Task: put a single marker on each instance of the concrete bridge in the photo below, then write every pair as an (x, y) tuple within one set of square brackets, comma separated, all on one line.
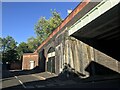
[(88, 40)]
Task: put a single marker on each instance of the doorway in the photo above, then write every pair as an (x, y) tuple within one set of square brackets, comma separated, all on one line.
[(31, 64), (51, 60)]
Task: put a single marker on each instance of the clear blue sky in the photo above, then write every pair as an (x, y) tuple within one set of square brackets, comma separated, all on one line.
[(19, 18)]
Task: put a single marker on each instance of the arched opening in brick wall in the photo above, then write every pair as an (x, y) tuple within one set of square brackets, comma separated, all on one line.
[(51, 60)]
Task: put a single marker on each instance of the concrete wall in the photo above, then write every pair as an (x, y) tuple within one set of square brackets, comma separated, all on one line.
[(107, 61), (77, 54), (81, 56)]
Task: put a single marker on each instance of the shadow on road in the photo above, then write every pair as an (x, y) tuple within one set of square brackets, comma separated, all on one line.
[(11, 73), (102, 77)]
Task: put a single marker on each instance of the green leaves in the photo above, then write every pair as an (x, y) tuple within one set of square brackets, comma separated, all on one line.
[(8, 49), (33, 43), (8, 43), (45, 27), (10, 56), (55, 20)]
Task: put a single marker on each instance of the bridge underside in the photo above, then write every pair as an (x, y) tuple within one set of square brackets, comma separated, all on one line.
[(103, 33)]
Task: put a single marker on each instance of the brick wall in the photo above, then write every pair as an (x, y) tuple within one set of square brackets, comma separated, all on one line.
[(15, 65), (27, 58)]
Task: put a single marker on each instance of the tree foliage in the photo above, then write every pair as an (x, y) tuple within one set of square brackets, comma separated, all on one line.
[(8, 49), (45, 27), (33, 43), (10, 56), (7, 43)]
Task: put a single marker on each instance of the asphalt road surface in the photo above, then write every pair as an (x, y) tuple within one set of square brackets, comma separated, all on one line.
[(13, 81), (36, 80)]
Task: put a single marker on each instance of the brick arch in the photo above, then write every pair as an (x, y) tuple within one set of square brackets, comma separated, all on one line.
[(51, 49), (51, 60), (52, 44)]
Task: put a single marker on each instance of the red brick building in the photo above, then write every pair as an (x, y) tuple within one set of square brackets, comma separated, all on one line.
[(30, 61)]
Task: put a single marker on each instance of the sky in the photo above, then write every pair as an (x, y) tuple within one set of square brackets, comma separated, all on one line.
[(19, 18)]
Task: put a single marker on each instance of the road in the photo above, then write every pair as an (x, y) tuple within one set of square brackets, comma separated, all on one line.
[(19, 79), (13, 79)]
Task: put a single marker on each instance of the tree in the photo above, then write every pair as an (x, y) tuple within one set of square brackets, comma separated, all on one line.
[(45, 27), (7, 44), (3, 43), (23, 48), (33, 43), (10, 56), (55, 20), (8, 49)]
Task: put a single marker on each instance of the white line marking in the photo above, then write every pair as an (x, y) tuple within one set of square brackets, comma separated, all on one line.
[(16, 77), (20, 82)]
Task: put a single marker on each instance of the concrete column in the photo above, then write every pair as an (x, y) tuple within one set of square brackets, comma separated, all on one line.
[(84, 57), (71, 56), (78, 58), (66, 52)]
